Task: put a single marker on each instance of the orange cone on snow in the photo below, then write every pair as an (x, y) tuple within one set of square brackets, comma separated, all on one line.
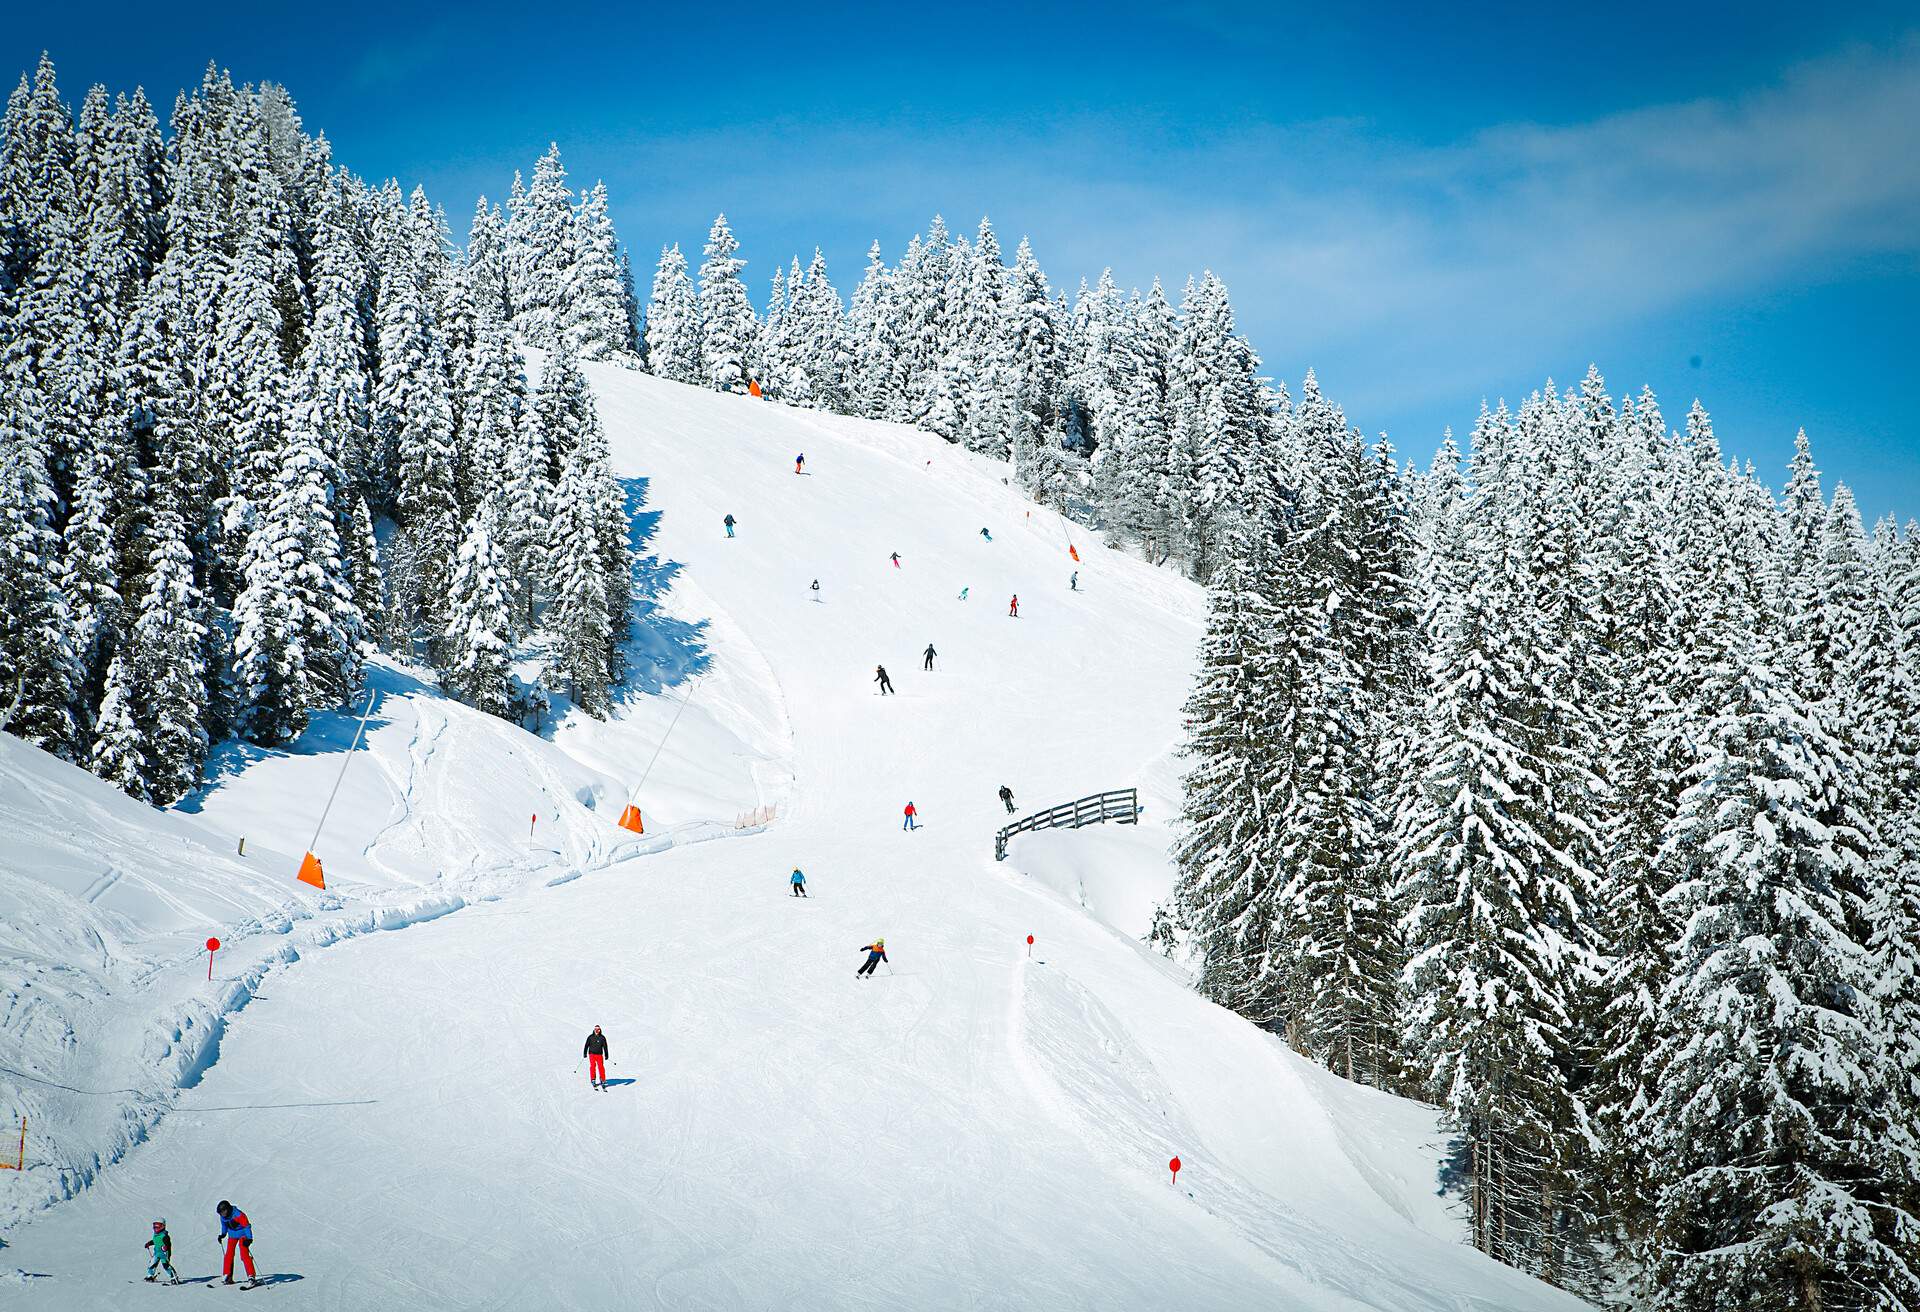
[(630, 819), (753, 387), (310, 872)]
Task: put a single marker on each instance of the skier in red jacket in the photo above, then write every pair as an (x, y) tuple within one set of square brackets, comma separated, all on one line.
[(910, 813), (1014, 609)]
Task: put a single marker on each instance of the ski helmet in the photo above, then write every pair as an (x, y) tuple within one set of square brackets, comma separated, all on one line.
[(159, 1225), (225, 1207)]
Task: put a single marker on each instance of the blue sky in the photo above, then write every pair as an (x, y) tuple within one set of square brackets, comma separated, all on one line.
[(1426, 208)]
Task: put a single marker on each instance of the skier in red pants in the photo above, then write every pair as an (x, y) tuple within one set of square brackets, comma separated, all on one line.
[(238, 1232), (1014, 609), (596, 1054)]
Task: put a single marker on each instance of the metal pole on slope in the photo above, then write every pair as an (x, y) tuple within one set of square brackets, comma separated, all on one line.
[(632, 811), (310, 871)]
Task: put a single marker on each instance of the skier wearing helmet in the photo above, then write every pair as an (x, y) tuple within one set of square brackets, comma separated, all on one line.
[(237, 1231)]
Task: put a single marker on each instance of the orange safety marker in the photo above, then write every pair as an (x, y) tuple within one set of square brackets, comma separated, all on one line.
[(630, 819), (753, 387), (311, 873)]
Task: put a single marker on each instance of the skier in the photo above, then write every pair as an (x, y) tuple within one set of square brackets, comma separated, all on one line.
[(964, 592), (596, 1053), (910, 813), (988, 536), (238, 1233), (880, 677), (1073, 584), (896, 560), (162, 1246), (816, 589), (929, 654), (728, 521), (1006, 795), (1014, 609), (799, 882), (876, 953), (799, 463)]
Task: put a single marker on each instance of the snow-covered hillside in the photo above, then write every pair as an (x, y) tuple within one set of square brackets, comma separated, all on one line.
[(401, 1116)]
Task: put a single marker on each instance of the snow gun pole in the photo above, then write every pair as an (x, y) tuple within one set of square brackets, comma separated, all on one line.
[(632, 811), (315, 877)]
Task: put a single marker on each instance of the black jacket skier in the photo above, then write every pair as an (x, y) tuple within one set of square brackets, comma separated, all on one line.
[(930, 655), (1006, 795), (880, 677)]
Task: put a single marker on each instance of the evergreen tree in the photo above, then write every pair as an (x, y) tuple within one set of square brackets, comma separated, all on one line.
[(673, 321), (726, 316), (479, 634)]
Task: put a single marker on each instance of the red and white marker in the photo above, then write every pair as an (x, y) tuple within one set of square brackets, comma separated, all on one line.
[(1174, 1166), (1029, 945), (213, 946)]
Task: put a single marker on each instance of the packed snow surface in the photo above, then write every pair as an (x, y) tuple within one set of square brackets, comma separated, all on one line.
[(401, 1114)]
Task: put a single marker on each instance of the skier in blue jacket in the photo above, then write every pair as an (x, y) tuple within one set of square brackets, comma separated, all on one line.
[(799, 882)]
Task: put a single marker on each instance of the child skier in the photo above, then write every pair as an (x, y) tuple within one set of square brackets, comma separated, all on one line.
[(800, 463), (162, 1246), (1014, 609), (799, 883), (596, 1053), (910, 813), (237, 1231), (728, 521), (929, 655), (896, 560), (876, 953), (880, 677)]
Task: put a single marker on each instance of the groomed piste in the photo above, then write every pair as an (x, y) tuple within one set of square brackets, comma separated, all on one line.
[(402, 1115)]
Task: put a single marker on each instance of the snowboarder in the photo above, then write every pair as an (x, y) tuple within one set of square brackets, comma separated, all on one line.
[(929, 654), (876, 953), (988, 536), (799, 882), (1073, 584), (964, 592), (728, 521), (162, 1246), (880, 677), (596, 1053), (896, 560), (800, 463), (816, 589), (1014, 609), (1006, 795), (910, 813), (237, 1231)]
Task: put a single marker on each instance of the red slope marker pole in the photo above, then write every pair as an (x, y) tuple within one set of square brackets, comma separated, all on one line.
[(1174, 1166), (1029, 945), (213, 946)]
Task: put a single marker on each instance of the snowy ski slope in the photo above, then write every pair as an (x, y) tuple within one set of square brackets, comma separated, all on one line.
[(400, 1114)]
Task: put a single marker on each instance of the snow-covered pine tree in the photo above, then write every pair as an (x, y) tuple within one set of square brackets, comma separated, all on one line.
[(1781, 1154), (727, 325), (577, 634), (1037, 368), (479, 635), (769, 362), (870, 330), (541, 252), (593, 310), (819, 339), (673, 321), (38, 644)]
